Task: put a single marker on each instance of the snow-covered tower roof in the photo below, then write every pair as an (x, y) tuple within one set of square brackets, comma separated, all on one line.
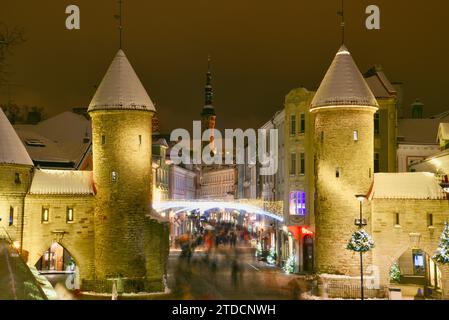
[(12, 150), (343, 85), (121, 88)]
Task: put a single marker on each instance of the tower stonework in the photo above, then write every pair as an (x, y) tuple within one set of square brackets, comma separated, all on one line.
[(121, 113), (344, 110)]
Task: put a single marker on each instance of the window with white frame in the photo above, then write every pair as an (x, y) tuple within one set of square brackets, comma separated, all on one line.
[(297, 203)]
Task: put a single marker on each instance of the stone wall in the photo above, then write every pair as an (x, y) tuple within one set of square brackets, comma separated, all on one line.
[(337, 207), (121, 145), (12, 197), (413, 232), (77, 237)]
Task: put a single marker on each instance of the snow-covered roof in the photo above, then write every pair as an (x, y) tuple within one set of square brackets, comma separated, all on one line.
[(438, 164), (59, 182), (12, 150), (121, 88), (60, 141), (379, 84), (409, 185), (443, 131), (343, 85)]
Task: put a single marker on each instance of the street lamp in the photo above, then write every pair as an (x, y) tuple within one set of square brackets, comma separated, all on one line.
[(361, 223)]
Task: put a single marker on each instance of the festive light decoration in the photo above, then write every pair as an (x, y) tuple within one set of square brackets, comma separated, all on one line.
[(259, 251), (360, 242), (442, 254), (290, 265), (395, 273)]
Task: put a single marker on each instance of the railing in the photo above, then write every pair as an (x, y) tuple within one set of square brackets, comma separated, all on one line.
[(351, 291)]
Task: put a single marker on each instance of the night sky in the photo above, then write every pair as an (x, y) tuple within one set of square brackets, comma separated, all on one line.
[(260, 51)]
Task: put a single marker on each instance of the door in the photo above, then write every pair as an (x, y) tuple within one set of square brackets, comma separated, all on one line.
[(308, 254)]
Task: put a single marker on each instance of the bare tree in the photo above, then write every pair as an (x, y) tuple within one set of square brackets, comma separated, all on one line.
[(9, 38)]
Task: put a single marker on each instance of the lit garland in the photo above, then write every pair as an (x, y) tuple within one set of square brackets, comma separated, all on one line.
[(259, 251), (442, 254), (360, 242)]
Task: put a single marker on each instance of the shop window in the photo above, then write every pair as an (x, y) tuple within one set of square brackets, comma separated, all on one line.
[(419, 268), (11, 216), (45, 215), (297, 203), (70, 215)]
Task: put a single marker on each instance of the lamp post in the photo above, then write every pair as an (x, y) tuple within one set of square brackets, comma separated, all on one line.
[(361, 223)]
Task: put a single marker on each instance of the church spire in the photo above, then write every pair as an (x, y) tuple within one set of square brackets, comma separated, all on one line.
[(208, 108)]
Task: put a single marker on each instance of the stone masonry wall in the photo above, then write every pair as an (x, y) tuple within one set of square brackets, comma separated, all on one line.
[(391, 240), (337, 206)]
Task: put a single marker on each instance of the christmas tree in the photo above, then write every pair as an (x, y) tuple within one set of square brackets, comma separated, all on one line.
[(271, 259), (395, 273), (290, 265), (360, 242), (442, 254)]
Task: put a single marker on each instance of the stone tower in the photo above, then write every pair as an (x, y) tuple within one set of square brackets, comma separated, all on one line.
[(208, 116), (15, 175), (344, 108), (121, 113)]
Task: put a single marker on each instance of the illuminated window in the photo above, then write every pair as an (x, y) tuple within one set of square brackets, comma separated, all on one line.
[(297, 203), (418, 263), (356, 135), (114, 176), (70, 215), (11, 216), (45, 215)]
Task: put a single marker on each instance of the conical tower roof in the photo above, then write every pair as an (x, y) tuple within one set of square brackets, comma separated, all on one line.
[(121, 88), (343, 85), (12, 150)]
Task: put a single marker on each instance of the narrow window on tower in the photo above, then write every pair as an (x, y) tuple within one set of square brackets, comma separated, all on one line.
[(397, 221), (376, 123), (17, 179), (430, 220), (303, 123), (11, 216), (293, 125), (45, 218), (70, 215), (303, 163), (356, 135), (337, 172), (114, 176), (103, 139), (322, 136), (140, 140), (293, 164)]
